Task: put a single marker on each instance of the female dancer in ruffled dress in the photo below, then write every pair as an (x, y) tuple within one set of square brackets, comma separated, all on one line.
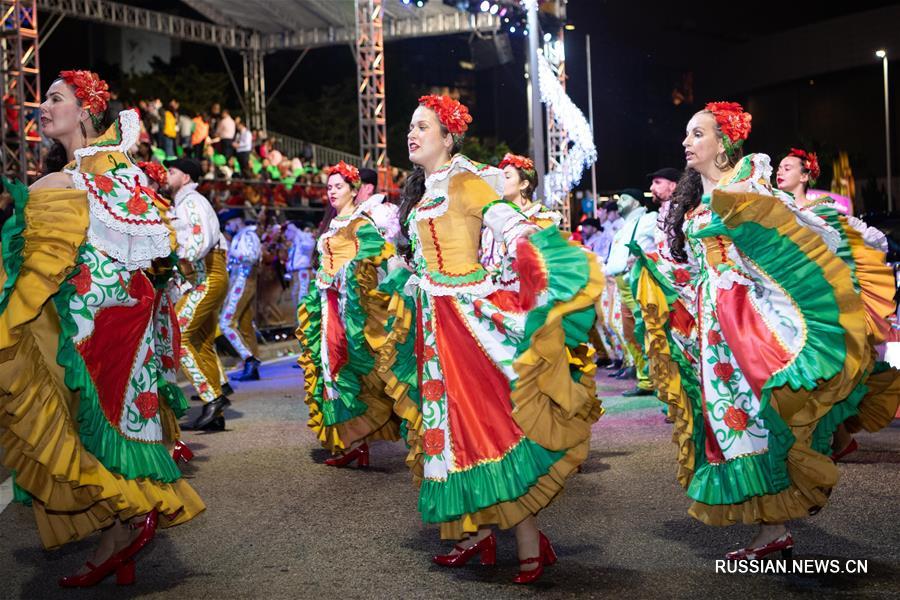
[(781, 338), (88, 341), (873, 405), (520, 181), (498, 394), (342, 326)]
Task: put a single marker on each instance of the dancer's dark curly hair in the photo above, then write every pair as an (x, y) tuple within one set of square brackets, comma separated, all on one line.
[(687, 195)]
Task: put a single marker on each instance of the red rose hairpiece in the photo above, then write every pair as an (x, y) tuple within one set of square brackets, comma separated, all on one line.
[(155, 171), (519, 162), (452, 114), (810, 161), (90, 89), (734, 123), (348, 172)]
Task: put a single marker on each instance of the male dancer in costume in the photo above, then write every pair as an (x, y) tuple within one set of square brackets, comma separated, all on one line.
[(202, 253), (639, 227), (236, 320)]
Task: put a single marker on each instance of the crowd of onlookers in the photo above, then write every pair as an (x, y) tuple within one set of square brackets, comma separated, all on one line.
[(240, 166), (222, 139)]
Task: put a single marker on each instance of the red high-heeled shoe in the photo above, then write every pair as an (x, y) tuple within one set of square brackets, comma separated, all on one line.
[(487, 548), (852, 447), (546, 558), (148, 532), (120, 563), (124, 573), (359, 454), (784, 544), (182, 452)]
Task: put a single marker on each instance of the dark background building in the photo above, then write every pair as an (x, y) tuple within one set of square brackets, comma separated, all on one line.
[(807, 72)]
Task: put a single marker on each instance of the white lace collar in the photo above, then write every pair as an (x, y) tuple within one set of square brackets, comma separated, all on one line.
[(434, 201), (459, 163), (124, 223)]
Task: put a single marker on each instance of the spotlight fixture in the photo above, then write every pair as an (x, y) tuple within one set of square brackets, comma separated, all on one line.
[(485, 5)]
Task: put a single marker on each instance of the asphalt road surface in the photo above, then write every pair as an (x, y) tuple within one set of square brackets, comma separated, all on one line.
[(279, 524)]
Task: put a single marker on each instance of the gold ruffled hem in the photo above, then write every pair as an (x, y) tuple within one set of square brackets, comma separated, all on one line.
[(551, 407), (876, 282), (74, 494), (879, 406), (812, 477), (378, 423), (666, 375), (506, 515), (404, 406)]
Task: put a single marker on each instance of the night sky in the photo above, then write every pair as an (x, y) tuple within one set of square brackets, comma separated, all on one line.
[(642, 51)]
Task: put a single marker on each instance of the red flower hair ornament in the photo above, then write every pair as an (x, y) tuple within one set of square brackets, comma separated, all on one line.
[(519, 162), (155, 171), (92, 91), (810, 162), (348, 172), (734, 123), (453, 114)]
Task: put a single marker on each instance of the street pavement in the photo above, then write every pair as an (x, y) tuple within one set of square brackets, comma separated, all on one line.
[(279, 524)]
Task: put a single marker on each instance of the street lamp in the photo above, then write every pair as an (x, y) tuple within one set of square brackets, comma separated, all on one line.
[(882, 54)]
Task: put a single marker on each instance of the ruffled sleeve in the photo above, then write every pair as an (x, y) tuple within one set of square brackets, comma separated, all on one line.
[(37, 263)]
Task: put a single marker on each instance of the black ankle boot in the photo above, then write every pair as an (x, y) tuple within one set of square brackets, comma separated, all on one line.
[(227, 390), (250, 372), (217, 424), (211, 411)]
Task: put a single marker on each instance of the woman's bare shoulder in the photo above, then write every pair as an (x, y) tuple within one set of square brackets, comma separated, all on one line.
[(53, 181)]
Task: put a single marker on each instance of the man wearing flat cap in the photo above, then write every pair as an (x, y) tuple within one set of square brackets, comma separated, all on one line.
[(639, 227), (662, 185), (201, 250)]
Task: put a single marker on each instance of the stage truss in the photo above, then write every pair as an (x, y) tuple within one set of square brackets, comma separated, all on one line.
[(20, 80), (557, 136), (370, 79)]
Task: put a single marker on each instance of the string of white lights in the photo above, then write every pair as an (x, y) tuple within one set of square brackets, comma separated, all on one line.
[(582, 152)]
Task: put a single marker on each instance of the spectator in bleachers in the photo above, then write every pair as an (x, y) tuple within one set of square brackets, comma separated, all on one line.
[(199, 135), (243, 146), (215, 113), (185, 129), (170, 128), (225, 131)]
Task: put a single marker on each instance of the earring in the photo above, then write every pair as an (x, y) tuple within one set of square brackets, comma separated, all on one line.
[(724, 164)]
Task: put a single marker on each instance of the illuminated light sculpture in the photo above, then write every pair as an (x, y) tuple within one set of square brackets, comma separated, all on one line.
[(581, 152)]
